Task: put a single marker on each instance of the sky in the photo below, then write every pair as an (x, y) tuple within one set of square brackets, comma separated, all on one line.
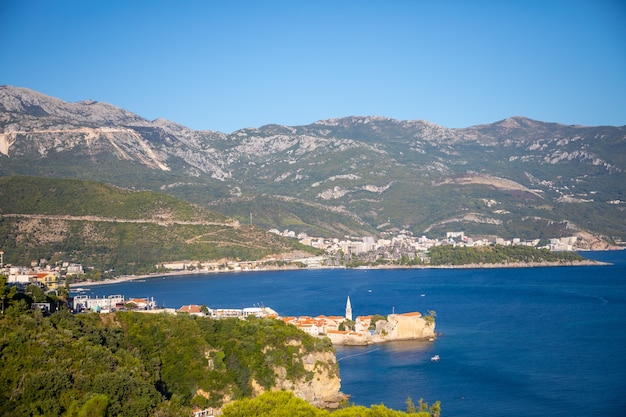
[(228, 65)]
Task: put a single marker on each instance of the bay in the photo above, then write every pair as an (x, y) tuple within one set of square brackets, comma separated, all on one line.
[(514, 342)]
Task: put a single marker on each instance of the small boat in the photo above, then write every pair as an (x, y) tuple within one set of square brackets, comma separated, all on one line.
[(434, 358)]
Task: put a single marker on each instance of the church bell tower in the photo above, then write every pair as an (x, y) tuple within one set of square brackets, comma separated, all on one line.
[(348, 309)]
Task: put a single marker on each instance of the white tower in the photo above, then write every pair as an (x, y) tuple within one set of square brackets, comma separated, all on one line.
[(348, 309)]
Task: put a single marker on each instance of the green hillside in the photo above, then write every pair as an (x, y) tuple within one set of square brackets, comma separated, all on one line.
[(133, 364), (109, 227), (139, 364), (270, 212), (38, 195)]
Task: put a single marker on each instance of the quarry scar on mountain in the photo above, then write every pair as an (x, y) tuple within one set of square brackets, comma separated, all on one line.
[(496, 182), (358, 175)]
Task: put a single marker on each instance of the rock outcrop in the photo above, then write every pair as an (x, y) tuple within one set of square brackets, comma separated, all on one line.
[(320, 385), (408, 326)]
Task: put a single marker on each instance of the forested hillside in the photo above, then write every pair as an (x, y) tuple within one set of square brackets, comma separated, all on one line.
[(499, 254), (135, 364), (106, 227)]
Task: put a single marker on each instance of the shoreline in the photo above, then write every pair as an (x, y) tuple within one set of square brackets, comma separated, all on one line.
[(129, 278)]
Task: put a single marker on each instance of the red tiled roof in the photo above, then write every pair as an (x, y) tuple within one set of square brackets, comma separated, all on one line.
[(192, 308), (411, 314)]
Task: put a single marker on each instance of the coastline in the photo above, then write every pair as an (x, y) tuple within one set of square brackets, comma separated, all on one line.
[(128, 278)]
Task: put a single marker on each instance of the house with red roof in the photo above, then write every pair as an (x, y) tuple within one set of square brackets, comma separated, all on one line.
[(193, 309)]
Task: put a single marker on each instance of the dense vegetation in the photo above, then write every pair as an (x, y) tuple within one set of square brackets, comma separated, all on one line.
[(285, 404), (314, 219), (126, 230), (497, 254), (134, 364), (38, 195)]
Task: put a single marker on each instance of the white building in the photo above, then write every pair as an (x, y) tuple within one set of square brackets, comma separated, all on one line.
[(310, 328), (75, 269), (84, 302)]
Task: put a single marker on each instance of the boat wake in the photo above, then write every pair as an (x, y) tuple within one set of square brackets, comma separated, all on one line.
[(357, 354)]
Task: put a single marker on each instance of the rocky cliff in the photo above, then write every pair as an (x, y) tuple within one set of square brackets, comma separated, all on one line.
[(408, 326), (320, 386)]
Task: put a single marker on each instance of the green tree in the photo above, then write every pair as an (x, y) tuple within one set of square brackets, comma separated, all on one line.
[(36, 294), (272, 404), (410, 406), (4, 290), (347, 325), (430, 317), (375, 319), (96, 406), (64, 297), (435, 409)]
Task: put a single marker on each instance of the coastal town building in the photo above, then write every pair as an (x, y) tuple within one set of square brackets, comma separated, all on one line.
[(48, 279), (140, 303), (193, 309), (404, 244), (29, 275), (221, 313), (40, 273), (395, 327), (111, 303), (97, 304), (367, 248), (22, 275), (343, 330)]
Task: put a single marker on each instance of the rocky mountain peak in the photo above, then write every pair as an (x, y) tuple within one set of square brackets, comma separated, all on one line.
[(388, 173), (26, 102)]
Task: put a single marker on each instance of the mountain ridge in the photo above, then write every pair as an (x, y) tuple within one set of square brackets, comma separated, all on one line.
[(389, 174), (16, 97)]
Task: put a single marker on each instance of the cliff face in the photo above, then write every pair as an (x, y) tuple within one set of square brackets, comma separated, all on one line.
[(320, 386), (405, 327)]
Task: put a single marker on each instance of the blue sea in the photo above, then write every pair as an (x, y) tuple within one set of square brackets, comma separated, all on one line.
[(513, 342)]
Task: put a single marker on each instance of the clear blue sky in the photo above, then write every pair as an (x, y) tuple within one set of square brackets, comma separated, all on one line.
[(226, 65)]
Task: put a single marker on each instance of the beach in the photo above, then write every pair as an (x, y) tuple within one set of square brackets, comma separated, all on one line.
[(126, 278)]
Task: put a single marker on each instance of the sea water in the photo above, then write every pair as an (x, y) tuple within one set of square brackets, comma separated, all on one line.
[(513, 342)]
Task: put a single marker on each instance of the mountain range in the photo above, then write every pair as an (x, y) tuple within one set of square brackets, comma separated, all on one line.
[(356, 176)]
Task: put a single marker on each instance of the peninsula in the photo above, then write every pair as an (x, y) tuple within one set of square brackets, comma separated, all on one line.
[(366, 330), (341, 330)]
